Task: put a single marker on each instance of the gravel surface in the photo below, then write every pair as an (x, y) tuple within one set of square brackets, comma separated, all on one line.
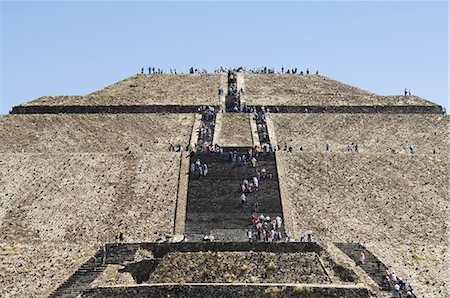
[(397, 204), (121, 133), (159, 89), (284, 89), (374, 133)]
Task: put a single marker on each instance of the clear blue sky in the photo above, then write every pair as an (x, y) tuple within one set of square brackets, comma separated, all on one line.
[(74, 48)]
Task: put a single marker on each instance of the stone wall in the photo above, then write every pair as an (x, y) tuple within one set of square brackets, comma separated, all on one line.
[(229, 291), (103, 109), (315, 108)]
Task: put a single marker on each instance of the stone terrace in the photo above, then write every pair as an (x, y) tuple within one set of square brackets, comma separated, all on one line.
[(374, 133), (235, 131), (249, 267), (53, 202), (94, 133), (155, 89), (397, 204), (314, 90)]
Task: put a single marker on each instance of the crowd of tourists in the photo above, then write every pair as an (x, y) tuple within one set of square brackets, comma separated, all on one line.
[(206, 129), (266, 229), (268, 70), (400, 287), (153, 70), (178, 148), (391, 282), (258, 70)]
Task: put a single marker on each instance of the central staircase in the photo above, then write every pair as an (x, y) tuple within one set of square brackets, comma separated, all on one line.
[(213, 204)]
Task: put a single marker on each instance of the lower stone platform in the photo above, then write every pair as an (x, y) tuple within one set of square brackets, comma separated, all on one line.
[(229, 290), (227, 269)]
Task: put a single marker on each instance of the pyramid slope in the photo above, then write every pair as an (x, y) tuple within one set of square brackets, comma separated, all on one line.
[(396, 204), (202, 89), (57, 209), (155, 89), (94, 132), (374, 133), (315, 90)]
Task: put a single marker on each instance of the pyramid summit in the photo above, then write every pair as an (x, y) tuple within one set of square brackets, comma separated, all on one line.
[(285, 90), (232, 183)]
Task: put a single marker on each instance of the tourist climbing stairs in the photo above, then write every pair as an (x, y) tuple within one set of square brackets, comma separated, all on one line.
[(213, 204), (232, 102), (208, 119), (372, 265), (261, 125)]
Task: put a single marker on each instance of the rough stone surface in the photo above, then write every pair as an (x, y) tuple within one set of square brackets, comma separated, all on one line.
[(313, 90), (250, 267), (36, 269), (396, 204), (112, 276), (160, 89), (94, 133), (226, 291), (78, 202), (235, 131), (373, 133)]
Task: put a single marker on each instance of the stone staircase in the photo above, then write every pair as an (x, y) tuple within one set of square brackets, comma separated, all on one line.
[(232, 100), (213, 203), (82, 278), (261, 124), (372, 266)]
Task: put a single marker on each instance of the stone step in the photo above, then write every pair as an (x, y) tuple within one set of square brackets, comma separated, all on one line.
[(214, 201), (372, 266)]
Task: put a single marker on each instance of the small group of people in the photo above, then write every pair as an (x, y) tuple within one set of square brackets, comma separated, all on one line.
[(152, 70), (208, 238), (268, 70), (198, 168), (407, 92), (193, 70), (234, 93), (243, 159), (249, 187), (266, 229), (400, 287), (178, 148), (206, 128)]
